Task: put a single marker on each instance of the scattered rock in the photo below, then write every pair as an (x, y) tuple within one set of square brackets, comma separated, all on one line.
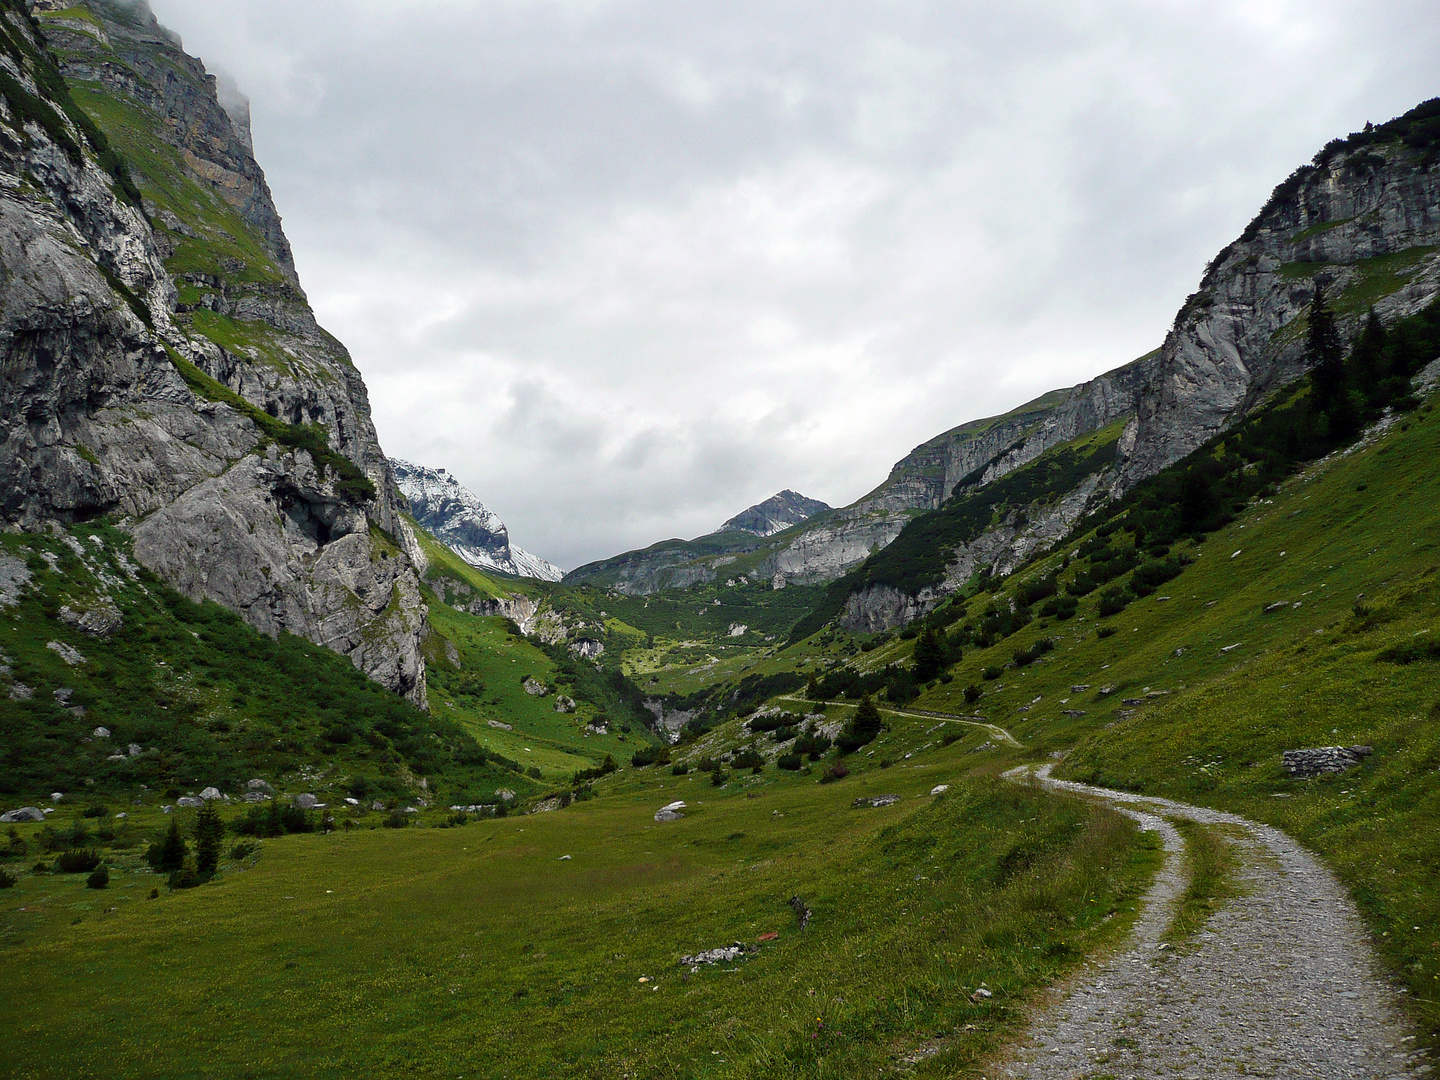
[(1073, 713), (501, 725), (587, 648), (352, 802), (68, 653), (724, 955), (260, 786), (1277, 605), (535, 688), (595, 728), (802, 911), (1108, 689), (190, 801), (100, 620), (134, 749), (1080, 688), (101, 733), (564, 704), (671, 812), (1230, 648), (255, 796), (563, 858), (1306, 764), (377, 805), (211, 793), (939, 789), (117, 757), (121, 816), (867, 801), (738, 629), (505, 794), (307, 801), (25, 813), (546, 806), (1132, 701), (57, 796), (20, 692), (982, 993)]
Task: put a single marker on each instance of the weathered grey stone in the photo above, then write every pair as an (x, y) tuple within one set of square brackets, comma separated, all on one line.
[(25, 813), (68, 653), (190, 801), (100, 619), (211, 793), (259, 785), (1307, 764), (306, 801), (255, 797), (865, 802), (101, 733), (535, 688), (564, 704), (95, 418)]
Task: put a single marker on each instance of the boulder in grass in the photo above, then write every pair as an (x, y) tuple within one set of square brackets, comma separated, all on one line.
[(25, 813), (1308, 764), (190, 801), (306, 801), (671, 812), (260, 786), (211, 793)]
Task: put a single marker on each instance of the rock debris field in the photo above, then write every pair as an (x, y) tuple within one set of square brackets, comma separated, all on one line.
[(1279, 983)]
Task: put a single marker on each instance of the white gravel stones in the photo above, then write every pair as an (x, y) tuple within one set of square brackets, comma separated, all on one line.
[(1279, 983)]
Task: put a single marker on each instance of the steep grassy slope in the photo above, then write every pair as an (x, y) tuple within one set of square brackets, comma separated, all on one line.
[(90, 640), (1304, 622)]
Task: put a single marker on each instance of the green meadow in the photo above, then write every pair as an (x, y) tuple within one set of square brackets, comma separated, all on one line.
[(550, 944)]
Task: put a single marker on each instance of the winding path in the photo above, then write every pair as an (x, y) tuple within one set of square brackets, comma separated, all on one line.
[(920, 714), (1280, 983)]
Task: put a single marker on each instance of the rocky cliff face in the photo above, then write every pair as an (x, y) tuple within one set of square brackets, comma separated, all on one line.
[(161, 365), (776, 514), (1362, 222), (455, 517)]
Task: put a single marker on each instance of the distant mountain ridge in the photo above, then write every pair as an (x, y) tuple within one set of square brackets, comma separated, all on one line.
[(776, 514), (455, 516)]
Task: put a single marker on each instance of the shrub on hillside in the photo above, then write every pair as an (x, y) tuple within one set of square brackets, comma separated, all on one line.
[(1104, 631), (972, 694), (790, 762), (1113, 601), (1026, 657), (98, 879), (861, 729), (77, 861), (97, 810), (991, 672), (7, 880), (834, 772)]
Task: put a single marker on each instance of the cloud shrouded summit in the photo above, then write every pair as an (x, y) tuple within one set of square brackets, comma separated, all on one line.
[(624, 268)]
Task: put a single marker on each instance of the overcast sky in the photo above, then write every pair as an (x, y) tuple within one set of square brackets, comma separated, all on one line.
[(625, 267)]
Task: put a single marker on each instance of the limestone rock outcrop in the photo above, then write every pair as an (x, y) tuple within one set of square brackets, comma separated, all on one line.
[(162, 366)]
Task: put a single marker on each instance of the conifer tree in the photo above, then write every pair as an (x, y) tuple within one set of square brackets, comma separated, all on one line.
[(929, 655), (1323, 354), (209, 832), (862, 728), (172, 848)]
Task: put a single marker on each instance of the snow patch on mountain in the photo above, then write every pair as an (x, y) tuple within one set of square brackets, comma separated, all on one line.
[(458, 519)]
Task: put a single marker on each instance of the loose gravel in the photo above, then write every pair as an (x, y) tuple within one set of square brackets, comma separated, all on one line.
[(1279, 983)]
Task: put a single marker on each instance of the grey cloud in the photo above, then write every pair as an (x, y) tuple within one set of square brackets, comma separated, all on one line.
[(627, 267)]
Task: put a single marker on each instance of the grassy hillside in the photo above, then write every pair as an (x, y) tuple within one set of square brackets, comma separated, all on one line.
[(538, 945), (94, 641), (1306, 621)]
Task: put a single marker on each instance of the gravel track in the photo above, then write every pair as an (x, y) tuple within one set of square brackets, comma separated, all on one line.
[(1279, 983)]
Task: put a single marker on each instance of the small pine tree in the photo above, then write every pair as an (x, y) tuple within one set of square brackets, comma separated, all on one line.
[(172, 849), (1323, 354), (812, 688), (1368, 356), (929, 655), (862, 728), (209, 832)]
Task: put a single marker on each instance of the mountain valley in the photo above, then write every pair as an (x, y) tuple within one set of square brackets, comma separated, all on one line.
[(308, 770)]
